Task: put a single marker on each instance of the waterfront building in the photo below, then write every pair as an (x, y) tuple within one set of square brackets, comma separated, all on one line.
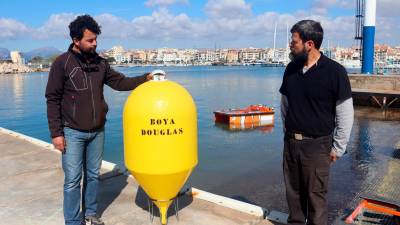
[(137, 56), (187, 56), (151, 56), (117, 53), (205, 55), (232, 56), (16, 57), (249, 55)]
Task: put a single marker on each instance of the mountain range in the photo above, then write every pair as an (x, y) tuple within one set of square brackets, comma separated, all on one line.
[(44, 52), (4, 53)]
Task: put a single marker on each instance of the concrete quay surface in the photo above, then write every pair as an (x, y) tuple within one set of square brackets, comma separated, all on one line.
[(31, 193)]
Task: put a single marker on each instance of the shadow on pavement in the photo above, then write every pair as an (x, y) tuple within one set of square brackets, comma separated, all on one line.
[(110, 188)]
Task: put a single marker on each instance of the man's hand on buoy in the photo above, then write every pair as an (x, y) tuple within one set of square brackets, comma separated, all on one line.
[(149, 76)]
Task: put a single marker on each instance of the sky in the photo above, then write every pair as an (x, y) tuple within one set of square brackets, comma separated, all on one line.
[(145, 24)]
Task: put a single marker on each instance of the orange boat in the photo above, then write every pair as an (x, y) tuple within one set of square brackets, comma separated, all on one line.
[(252, 116), (249, 127)]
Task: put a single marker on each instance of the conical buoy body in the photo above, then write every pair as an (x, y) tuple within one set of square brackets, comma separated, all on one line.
[(160, 139)]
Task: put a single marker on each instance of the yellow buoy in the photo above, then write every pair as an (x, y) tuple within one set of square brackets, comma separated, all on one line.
[(160, 139)]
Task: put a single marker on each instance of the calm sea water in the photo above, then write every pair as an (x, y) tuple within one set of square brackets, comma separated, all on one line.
[(245, 165)]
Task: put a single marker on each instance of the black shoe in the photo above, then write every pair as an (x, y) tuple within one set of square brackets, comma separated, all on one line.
[(93, 220)]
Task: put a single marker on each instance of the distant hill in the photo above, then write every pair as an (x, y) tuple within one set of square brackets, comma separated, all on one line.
[(4, 53), (44, 52)]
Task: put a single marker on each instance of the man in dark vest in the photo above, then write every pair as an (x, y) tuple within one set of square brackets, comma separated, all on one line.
[(317, 113), (76, 112)]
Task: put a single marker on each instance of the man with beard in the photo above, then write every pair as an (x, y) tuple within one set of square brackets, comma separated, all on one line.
[(76, 112), (317, 113)]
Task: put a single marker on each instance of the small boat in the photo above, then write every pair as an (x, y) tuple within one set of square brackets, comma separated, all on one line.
[(273, 64), (245, 128), (252, 116), (217, 63)]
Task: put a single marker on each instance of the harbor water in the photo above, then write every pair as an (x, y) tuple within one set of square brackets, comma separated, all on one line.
[(242, 164)]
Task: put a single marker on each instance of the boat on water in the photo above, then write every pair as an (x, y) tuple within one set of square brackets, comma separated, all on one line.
[(245, 128), (249, 117), (217, 63), (351, 63), (273, 64)]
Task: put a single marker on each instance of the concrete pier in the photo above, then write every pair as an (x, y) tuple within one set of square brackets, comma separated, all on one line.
[(32, 183), (376, 90)]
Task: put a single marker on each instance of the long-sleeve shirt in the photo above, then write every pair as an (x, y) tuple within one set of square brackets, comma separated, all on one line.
[(343, 123)]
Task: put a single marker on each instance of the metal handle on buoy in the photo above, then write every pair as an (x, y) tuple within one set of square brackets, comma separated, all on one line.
[(158, 75)]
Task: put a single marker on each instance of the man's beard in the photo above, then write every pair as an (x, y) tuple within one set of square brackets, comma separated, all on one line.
[(89, 54), (299, 58)]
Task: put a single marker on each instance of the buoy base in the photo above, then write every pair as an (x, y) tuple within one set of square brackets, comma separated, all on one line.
[(163, 208)]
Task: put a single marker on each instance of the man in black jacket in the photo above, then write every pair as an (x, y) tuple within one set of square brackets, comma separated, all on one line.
[(76, 112)]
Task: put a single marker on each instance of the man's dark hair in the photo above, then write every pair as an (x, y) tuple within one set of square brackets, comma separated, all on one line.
[(309, 30), (80, 24)]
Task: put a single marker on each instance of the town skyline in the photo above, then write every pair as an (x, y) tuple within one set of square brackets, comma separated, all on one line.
[(386, 57), (216, 46)]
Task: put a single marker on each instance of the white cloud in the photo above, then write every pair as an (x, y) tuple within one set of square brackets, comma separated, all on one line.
[(385, 8), (227, 21), (388, 8), (321, 7), (163, 26), (227, 9), (334, 3), (55, 27), (113, 27), (12, 29), (160, 25), (342, 28), (164, 3)]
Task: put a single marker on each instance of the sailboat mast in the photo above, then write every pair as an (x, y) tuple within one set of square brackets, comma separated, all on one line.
[(276, 24), (287, 42)]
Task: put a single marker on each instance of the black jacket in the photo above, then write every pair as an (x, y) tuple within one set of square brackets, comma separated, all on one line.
[(74, 92)]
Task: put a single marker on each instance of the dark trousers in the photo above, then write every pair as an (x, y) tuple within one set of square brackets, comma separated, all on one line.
[(306, 166)]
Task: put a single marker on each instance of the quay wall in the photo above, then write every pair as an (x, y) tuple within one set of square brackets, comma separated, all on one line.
[(375, 82), (382, 91)]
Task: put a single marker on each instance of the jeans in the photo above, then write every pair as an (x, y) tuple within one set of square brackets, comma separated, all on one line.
[(83, 152)]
